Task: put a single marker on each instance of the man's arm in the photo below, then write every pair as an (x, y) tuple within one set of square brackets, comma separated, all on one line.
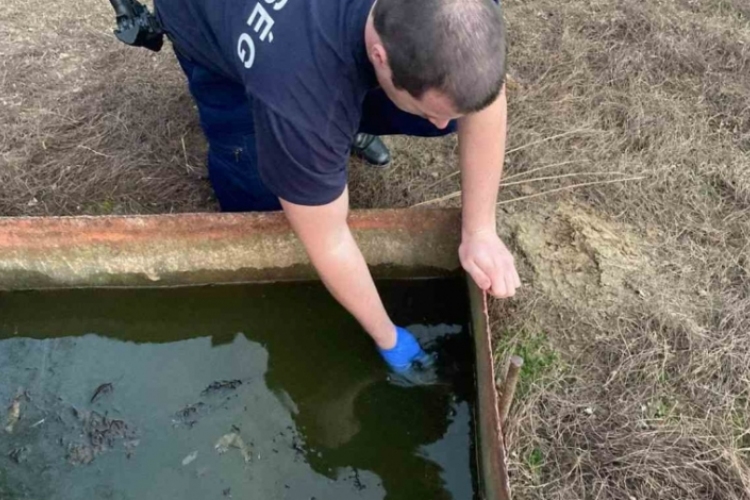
[(481, 138), (334, 253)]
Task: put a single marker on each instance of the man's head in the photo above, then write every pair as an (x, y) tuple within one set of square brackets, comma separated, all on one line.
[(440, 59)]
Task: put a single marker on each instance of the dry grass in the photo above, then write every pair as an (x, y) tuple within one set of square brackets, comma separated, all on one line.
[(641, 289), (634, 322), (88, 125)]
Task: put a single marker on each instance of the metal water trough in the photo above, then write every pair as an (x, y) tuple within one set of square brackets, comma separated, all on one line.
[(194, 249)]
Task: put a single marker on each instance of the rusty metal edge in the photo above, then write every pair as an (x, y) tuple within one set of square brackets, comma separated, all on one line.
[(494, 480), (189, 249)]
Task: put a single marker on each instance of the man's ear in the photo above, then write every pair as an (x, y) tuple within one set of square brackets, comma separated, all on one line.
[(379, 56)]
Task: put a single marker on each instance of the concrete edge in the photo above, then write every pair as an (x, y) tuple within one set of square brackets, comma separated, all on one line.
[(188, 249)]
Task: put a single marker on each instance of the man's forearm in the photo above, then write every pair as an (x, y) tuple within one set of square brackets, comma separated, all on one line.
[(481, 139), (481, 154), (340, 264)]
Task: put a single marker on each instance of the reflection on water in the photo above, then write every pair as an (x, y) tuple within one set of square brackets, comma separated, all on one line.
[(280, 369)]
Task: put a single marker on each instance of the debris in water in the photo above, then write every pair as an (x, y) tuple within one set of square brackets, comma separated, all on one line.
[(222, 445), (80, 454), (358, 482), (233, 440), (220, 385), (19, 455), (189, 410), (102, 433), (227, 492), (130, 446), (286, 400), (190, 458), (103, 389), (188, 415), (14, 414), (298, 446)]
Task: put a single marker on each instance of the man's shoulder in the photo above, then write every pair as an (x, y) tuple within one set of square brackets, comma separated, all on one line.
[(298, 58)]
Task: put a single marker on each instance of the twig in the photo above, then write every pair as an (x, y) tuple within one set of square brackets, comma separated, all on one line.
[(574, 186), (456, 194), (546, 139), (448, 196), (93, 151), (554, 177), (519, 148), (513, 176), (452, 174), (184, 152), (545, 167)]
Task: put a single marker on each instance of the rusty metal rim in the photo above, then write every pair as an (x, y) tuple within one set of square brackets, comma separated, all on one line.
[(495, 482)]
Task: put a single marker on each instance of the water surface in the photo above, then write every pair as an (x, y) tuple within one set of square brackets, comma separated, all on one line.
[(281, 367)]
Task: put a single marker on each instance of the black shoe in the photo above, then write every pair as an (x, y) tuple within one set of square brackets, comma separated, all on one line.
[(371, 149)]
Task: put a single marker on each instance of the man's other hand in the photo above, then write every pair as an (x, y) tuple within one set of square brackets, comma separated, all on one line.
[(487, 260)]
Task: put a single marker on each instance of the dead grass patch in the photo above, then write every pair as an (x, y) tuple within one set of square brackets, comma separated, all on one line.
[(89, 126)]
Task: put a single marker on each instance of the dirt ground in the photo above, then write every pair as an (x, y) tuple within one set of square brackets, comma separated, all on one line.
[(635, 316)]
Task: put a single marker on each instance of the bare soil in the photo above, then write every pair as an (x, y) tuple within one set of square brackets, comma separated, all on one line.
[(635, 316)]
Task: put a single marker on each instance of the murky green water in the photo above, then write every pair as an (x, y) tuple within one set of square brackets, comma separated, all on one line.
[(286, 378)]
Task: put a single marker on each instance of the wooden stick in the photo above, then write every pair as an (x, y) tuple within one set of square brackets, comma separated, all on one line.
[(509, 387)]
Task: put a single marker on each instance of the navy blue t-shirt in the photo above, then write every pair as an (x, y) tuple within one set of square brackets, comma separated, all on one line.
[(305, 66)]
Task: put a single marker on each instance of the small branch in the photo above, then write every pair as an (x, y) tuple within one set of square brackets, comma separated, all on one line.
[(554, 177), (513, 176), (452, 174), (550, 138), (519, 148), (456, 194), (545, 167), (566, 188), (449, 196)]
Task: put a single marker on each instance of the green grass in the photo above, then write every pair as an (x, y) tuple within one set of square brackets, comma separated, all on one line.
[(540, 359)]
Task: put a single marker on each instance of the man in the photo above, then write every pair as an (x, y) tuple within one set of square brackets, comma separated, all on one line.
[(284, 86)]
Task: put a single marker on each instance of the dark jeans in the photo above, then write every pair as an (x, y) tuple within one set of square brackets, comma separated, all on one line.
[(227, 122)]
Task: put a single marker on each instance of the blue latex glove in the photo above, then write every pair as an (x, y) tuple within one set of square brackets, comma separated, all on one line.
[(407, 351)]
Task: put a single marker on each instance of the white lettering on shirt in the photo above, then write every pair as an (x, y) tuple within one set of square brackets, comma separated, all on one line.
[(277, 5), (264, 22), (261, 22), (246, 50)]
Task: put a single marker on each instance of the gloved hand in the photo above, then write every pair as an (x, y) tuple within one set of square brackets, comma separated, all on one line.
[(409, 362)]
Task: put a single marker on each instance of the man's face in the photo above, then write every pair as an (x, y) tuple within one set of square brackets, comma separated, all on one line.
[(433, 105)]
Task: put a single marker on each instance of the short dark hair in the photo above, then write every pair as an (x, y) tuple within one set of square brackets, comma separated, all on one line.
[(454, 46)]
